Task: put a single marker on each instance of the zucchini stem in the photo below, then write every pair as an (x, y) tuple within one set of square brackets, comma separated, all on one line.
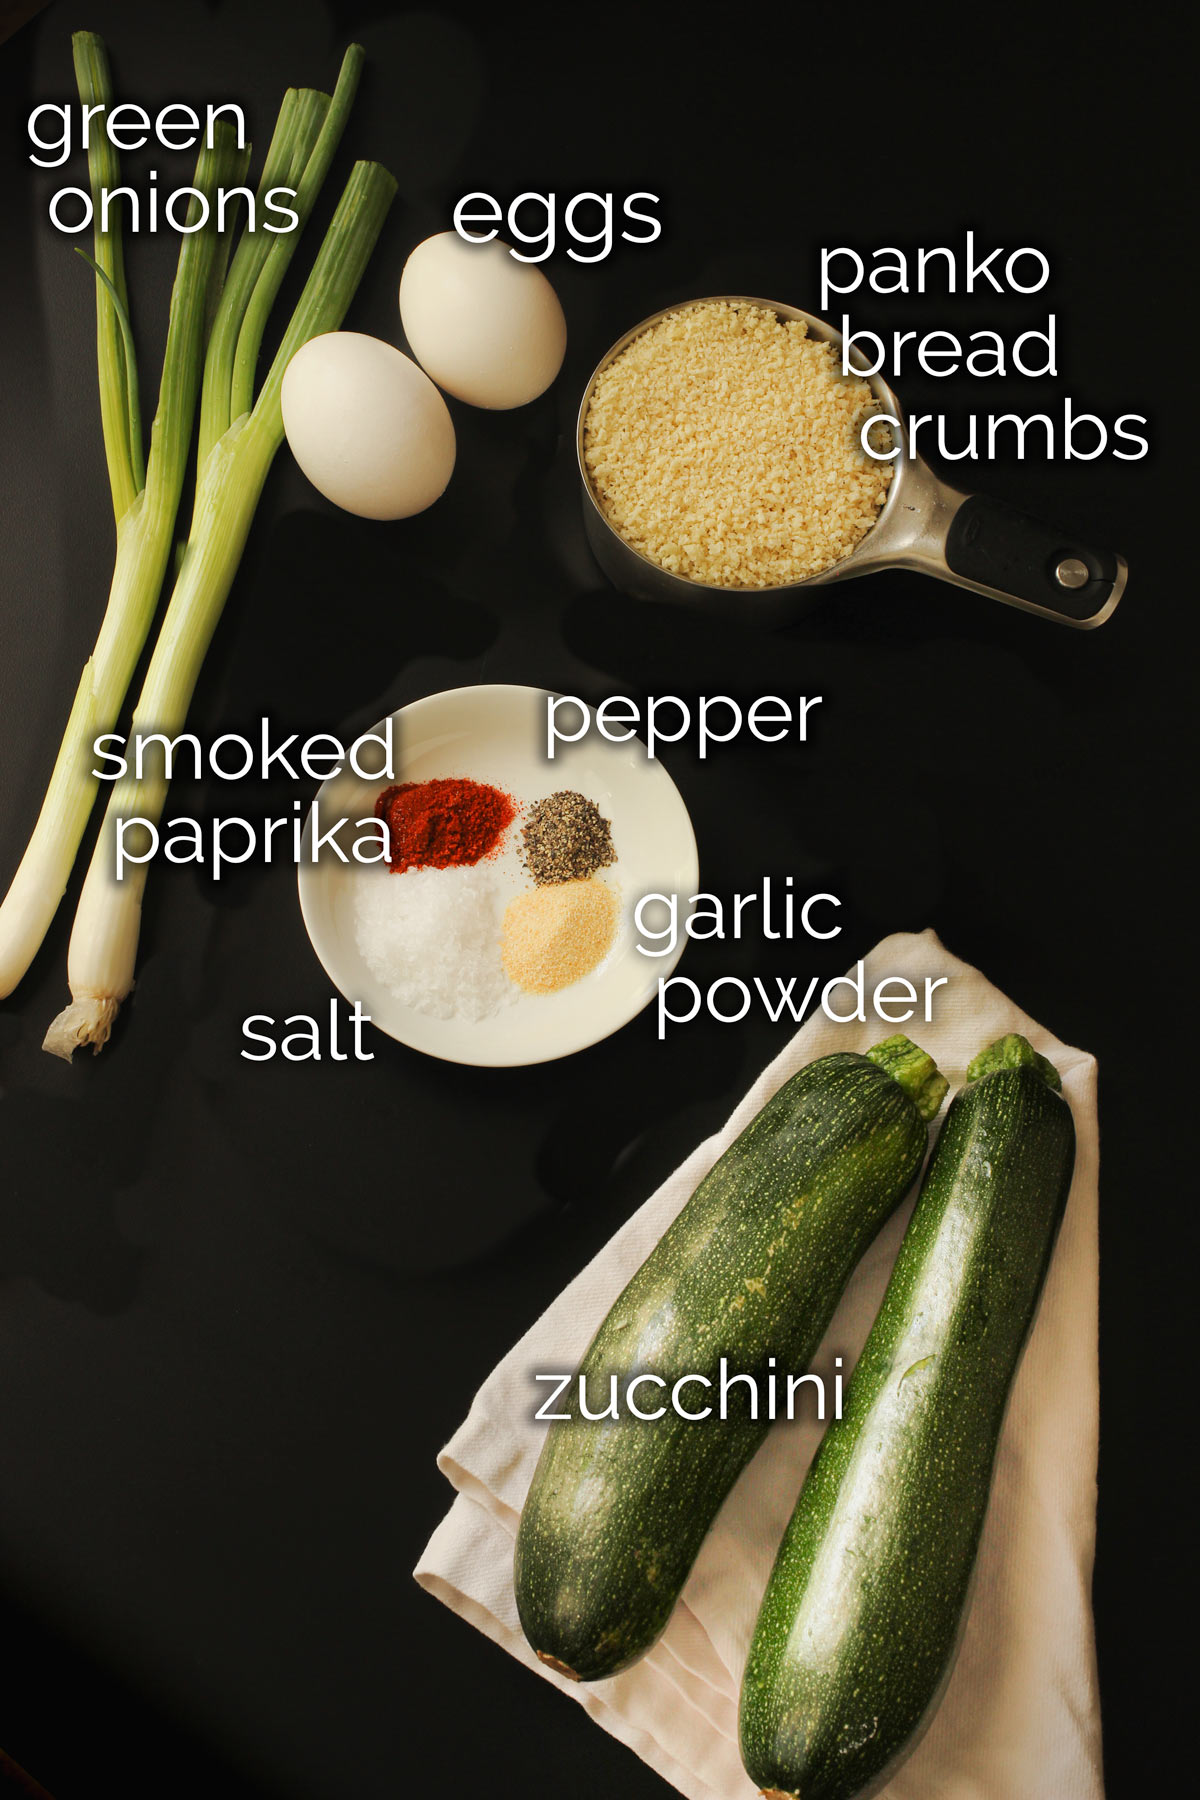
[(1014, 1052), (915, 1070)]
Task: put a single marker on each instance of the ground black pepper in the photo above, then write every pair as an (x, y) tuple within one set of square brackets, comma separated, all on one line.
[(565, 838)]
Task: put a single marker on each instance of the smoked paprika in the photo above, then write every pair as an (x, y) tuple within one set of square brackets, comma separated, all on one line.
[(443, 824)]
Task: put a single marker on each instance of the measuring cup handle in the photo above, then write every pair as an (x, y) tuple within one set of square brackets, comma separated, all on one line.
[(996, 549)]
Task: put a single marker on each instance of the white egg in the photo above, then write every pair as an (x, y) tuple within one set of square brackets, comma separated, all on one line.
[(369, 430), (488, 328)]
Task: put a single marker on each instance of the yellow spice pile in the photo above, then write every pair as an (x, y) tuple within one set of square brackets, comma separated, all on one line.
[(556, 935), (723, 443)]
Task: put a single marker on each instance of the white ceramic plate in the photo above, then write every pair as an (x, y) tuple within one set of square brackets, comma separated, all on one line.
[(498, 735)]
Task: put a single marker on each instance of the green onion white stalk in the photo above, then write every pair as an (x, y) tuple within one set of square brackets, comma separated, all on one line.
[(103, 950), (144, 506)]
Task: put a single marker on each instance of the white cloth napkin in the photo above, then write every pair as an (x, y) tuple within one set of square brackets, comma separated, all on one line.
[(1020, 1718)]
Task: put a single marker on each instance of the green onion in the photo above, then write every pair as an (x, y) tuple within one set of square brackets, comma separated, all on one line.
[(100, 965), (279, 255), (145, 519), (120, 415), (221, 298), (295, 133), (133, 426)]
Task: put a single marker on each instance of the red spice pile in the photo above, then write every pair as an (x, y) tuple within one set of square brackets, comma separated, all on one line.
[(444, 823)]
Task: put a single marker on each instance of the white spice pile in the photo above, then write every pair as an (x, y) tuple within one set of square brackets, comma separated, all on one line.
[(432, 936), (723, 443)]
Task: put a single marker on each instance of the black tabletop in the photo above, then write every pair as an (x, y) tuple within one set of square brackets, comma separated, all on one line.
[(242, 1306)]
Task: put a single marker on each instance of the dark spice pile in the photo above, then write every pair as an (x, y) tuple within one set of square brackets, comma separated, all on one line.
[(565, 838)]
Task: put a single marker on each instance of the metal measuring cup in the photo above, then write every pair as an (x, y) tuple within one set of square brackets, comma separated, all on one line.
[(924, 524)]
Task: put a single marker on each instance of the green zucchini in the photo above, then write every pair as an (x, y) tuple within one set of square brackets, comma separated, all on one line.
[(751, 1269), (861, 1616)]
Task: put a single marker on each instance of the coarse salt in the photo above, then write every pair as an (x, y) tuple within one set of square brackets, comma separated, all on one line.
[(432, 937)]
